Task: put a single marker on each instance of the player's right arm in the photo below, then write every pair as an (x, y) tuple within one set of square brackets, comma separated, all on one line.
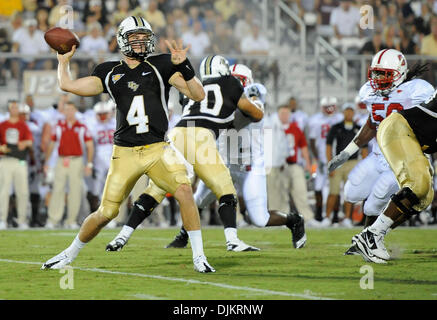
[(252, 108), (87, 86)]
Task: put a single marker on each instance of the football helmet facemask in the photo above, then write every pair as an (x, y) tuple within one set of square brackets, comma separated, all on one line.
[(242, 73), (137, 48), (329, 105), (214, 66), (388, 70)]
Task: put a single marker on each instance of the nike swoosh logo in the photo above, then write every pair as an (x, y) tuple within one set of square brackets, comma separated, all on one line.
[(371, 242), (188, 67), (146, 73)]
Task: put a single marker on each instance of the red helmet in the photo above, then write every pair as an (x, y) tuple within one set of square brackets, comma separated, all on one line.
[(242, 73)]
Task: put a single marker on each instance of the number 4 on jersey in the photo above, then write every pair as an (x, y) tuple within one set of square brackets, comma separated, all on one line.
[(137, 115)]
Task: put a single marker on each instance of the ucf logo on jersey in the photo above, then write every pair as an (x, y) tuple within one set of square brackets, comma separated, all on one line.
[(133, 85)]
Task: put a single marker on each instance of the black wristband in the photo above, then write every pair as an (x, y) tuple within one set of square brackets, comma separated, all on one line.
[(186, 69)]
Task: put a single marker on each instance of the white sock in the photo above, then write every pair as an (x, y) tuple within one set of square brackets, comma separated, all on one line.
[(126, 232), (381, 225), (231, 234), (75, 247), (196, 242)]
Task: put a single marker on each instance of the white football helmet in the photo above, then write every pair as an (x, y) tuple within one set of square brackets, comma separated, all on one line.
[(388, 70), (103, 109), (214, 66), (135, 25), (329, 105), (242, 73)]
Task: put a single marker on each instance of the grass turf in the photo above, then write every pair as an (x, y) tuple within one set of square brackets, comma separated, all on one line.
[(145, 270)]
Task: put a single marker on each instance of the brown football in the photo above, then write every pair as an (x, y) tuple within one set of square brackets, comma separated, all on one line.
[(61, 40)]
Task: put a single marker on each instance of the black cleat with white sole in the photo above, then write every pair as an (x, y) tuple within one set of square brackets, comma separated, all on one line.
[(116, 245), (296, 224), (352, 251), (180, 241)]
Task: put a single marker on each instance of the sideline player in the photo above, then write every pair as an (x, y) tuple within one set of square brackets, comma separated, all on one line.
[(102, 127), (319, 124), (391, 88), (139, 84)]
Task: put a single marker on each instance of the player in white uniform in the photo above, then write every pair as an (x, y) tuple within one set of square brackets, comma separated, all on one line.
[(319, 125), (361, 113), (102, 127), (297, 115), (35, 121), (391, 88)]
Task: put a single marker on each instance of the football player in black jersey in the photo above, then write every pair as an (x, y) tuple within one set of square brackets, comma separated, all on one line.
[(139, 84), (195, 137), (403, 137)]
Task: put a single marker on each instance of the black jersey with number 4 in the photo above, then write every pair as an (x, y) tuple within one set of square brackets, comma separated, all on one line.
[(216, 111), (423, 120), (141, 95)]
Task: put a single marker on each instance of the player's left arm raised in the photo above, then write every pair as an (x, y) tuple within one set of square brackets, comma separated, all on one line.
[(185, 79)]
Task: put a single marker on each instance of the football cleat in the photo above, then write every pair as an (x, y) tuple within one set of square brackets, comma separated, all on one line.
[(371, 246), (299, 237), (202, 265), (352, 251), (180, 241), (58, 262), (117, 244), (239, 246)]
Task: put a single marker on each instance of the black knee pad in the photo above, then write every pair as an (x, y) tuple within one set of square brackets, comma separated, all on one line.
[(406, 194), (227, 210), (144, 205), (229, 200)]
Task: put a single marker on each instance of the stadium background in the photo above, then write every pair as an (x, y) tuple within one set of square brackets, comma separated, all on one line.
[(296, 53), (291, 46)]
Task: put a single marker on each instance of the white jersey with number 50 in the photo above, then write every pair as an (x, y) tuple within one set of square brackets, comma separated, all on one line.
[(372, 179), (406, 96)]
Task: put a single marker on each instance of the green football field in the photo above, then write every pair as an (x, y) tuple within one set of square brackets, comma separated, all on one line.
[(145, 270)]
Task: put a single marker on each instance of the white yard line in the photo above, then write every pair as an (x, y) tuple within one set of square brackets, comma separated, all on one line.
[(188, 281), (146, 296)]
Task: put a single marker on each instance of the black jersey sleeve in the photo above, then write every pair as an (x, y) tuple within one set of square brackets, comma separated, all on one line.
[(163, 64), (102, 70), (235, 89)]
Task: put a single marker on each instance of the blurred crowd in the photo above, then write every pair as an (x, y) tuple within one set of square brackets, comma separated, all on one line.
[(222, 26), (403, 25)]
